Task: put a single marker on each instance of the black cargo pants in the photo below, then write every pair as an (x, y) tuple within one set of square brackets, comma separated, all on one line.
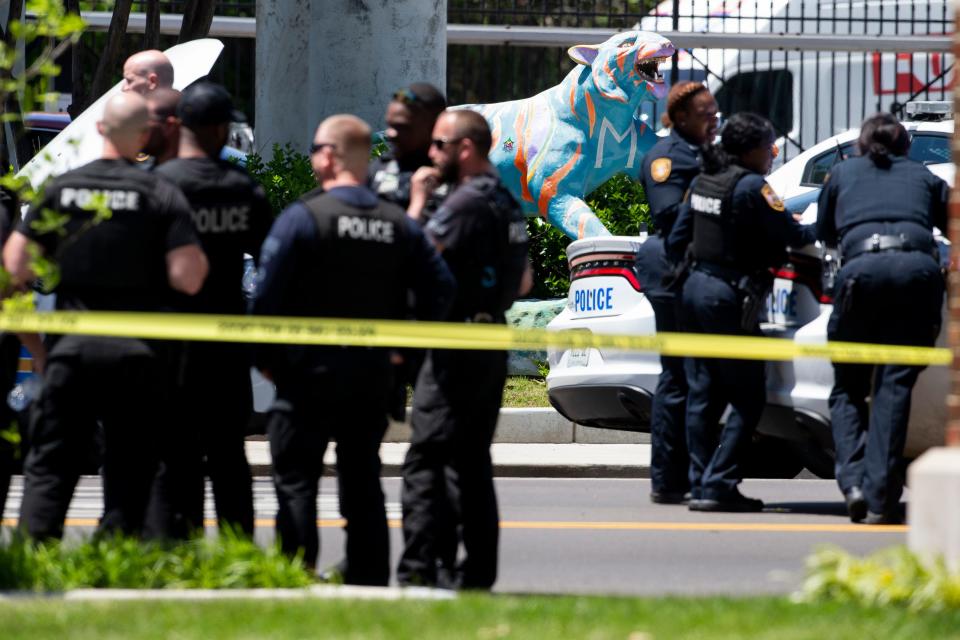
[(448, 473), (350, 407), (120, 383)]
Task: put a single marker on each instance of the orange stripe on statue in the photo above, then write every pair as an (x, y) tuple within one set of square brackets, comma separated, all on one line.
[(552, 183)]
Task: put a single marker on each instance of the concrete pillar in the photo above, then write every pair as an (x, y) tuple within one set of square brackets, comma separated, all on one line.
[(934, 479), (320, 57)]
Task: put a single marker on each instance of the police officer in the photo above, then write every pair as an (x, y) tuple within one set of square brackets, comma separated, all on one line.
[(214, 395), (880, 208), (164, 139), (128, 261), (410, 117), (341, 253), (481, 234), (147, 71), (9, 364), (667, 171), (739, 230)]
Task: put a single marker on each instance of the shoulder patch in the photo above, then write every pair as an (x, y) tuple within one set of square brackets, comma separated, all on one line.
[(772, 198), (660, 169)]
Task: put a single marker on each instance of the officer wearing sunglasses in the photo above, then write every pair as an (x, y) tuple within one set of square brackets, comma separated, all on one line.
[(410, 117)]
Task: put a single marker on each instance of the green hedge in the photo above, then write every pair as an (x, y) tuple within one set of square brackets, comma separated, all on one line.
[(227, 562), (619, 203), (888, 577)]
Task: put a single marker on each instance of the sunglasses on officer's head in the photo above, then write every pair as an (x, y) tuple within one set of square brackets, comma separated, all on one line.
[(407, 97), (320, 146)]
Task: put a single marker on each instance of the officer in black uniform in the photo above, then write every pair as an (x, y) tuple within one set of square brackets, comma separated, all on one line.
[(342, 253), (739, 230), (9, 364), (880, 208), (128, 261), (667, 171), (481, 233), (164, 140), (214, 395), (410, 117)]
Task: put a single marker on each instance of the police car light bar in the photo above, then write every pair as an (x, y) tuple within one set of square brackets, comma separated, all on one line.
[(929, 110)]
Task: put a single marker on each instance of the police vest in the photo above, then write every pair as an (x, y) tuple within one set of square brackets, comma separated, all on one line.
[(498, 283), (362, 270), (714, 222)]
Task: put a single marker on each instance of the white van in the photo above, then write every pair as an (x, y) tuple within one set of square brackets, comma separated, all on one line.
[(809, 95)]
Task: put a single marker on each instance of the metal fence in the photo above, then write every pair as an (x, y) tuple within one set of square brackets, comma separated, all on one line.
[(807, 94)]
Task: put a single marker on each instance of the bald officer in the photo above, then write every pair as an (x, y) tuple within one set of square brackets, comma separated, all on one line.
[(147, 71), (129, 261)]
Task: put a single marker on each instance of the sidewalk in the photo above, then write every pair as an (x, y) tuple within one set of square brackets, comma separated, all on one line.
[(531, 443), (519, 460)]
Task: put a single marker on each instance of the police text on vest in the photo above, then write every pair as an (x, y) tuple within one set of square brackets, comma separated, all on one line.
[(113, 200), (222, 219), (357, 228), (704, 204)]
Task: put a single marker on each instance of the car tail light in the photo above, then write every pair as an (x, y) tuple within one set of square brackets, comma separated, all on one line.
[(605, 264), (805, 270)]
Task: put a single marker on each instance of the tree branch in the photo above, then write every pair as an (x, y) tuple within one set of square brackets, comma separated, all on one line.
[(103, 77)]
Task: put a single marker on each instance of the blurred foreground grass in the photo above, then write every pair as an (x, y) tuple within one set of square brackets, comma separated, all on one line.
[(473, 616)]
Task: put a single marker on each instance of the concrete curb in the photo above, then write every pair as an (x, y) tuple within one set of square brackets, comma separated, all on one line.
[(533, 442), (324, 592), (537, 425), (526, 460)]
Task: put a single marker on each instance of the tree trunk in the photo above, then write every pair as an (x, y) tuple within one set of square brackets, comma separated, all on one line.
[(197, 19), (11, 103), (110, 58), (77, 93), (151, 38)]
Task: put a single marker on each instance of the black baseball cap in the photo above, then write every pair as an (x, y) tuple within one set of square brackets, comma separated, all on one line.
[(205, 103)]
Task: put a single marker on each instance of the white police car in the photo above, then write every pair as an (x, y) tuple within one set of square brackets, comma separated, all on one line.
[(614, 389)]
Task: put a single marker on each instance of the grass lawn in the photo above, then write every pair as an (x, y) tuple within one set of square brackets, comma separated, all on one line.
[(521, 391), (481, 617)]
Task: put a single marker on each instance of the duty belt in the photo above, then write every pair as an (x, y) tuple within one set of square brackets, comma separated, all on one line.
[(731, 275), (877, 243)]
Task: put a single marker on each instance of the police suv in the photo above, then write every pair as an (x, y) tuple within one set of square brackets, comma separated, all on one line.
[(613, 389)]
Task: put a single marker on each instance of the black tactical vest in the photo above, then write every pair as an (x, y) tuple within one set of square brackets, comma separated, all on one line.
[(494, 295), (362, 270), (714, 225)]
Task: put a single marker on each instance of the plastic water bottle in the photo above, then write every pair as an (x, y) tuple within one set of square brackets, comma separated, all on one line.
[(249, 284), (23, 393)]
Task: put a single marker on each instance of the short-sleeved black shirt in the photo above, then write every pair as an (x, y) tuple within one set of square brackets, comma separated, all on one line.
[(232, 217), (117, 264), (484, 241), (389, 178)]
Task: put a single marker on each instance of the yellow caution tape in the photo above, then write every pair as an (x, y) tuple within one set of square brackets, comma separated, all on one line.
[(441, 335)]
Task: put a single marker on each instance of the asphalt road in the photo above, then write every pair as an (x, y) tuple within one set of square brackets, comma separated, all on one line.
[(603, 536)]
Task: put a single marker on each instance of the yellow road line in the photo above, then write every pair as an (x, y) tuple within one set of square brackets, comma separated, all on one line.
[(546, 525)]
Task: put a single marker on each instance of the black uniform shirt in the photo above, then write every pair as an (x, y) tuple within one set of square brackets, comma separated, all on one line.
[(667, 171), (118, 263), (860, 199), (232, 216), (389, 178), (764, 228), (294, 266), (483, 236)]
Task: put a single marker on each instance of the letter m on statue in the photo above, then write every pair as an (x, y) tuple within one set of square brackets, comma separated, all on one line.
[(555, 148)]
